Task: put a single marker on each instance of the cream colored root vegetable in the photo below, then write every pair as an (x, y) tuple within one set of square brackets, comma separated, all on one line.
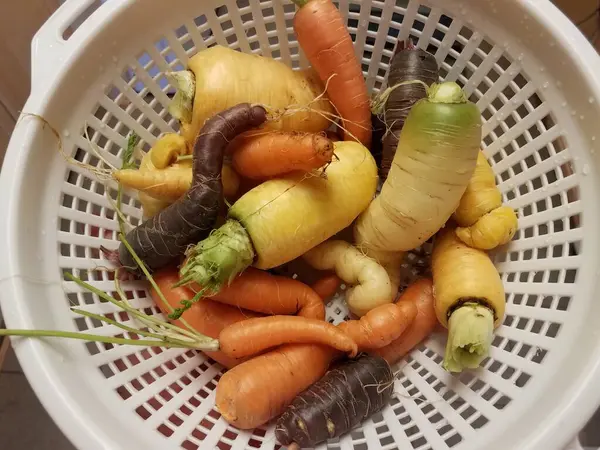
[(483, 221), (431, 169), (469, 299), (224, 77), (370, 281)]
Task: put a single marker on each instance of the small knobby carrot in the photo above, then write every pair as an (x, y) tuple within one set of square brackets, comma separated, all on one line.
[(420, 294), (262, 292), (381, 326), (207, 317), (327, 286), (252, 336), (258, 390), (262, 154), (323, 36)]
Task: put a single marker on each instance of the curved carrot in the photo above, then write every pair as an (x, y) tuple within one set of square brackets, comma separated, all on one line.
[(261, 155), (258, 390), (206, 316), (252, 336), (327, 286), (254, 392), (262, 292), (323, 36), (381, 326), (420, 293)]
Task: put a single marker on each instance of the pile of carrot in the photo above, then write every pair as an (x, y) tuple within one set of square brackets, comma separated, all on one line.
[(273, 167)]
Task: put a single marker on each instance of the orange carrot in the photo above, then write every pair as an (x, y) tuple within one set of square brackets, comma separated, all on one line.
[(261, 154), (251, 394), (381, 326), (327, 44), (252, 336), (420, 293), (327, 286), (207, 317), (262, 292), (258, 390)]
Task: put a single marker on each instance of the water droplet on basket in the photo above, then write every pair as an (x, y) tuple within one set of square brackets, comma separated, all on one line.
[(521, 56), (573, 112), (593, 138), (66, 133), (582, 117), (364, 23), (515, 101), (585, 169), (102, 125), (542, 69), (591, 100), (544, 189), (563, 104), (546, 85)]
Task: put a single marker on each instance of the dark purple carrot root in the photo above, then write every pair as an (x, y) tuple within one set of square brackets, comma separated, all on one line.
[(408, 63), (334, 405), (164, 238)]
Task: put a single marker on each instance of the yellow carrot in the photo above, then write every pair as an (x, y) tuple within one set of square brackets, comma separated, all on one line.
[(469, 299)]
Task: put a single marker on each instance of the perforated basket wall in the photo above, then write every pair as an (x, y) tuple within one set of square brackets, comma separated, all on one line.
[(105, 78)]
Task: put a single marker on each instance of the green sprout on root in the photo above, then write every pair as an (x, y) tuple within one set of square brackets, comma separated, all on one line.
[(470, 333), (159, 333), (215, 262)]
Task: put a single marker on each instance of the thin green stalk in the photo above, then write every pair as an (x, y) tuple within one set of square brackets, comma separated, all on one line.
[(185, 158), (96, 338), (142, 266), (115, 323), (165, 337), (130, 309)]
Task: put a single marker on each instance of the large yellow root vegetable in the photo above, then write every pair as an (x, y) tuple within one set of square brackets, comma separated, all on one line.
[(469, 299), (283, 218), (370, 281), (432, 166), (224, 77), (483, 222)]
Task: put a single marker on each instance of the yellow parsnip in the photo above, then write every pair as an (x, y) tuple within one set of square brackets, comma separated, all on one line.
[(225, 77)]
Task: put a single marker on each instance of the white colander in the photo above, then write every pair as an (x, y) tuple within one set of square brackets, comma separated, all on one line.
[(98, 67)]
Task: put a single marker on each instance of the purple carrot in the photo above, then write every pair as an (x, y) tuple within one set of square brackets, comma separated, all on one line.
[(408, 63), (163, 239)]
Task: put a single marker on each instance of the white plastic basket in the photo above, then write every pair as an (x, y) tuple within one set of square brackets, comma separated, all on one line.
[(536, 80)]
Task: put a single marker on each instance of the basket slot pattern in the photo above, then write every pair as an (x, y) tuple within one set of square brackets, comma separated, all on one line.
[(523, 140)]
